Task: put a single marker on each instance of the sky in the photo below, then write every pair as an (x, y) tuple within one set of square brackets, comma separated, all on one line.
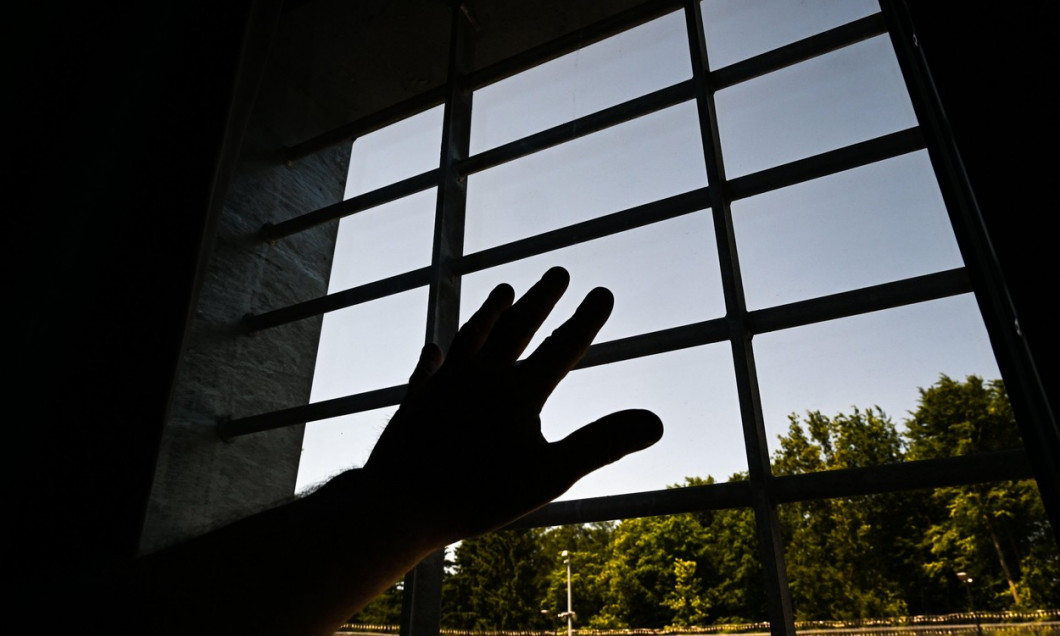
[(866, 226)]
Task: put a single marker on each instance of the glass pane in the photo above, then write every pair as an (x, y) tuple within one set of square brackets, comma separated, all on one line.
[(662, 275), (641, 60), (637, 162), (877, 360), (384, 241), (875, 224), (370, 346), (844, 97), (694, 393), (739, 29), (401, 150), (670, 573), (875, 561), (334, 445)]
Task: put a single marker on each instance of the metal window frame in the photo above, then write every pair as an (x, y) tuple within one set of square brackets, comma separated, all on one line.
[(762, 492)]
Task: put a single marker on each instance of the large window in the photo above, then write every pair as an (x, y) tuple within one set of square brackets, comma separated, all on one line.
[(752, 182)]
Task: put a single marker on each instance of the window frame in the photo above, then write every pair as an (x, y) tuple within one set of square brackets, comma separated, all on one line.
[(762, 491)]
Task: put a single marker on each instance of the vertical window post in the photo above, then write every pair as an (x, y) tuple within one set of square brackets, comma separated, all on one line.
[(778, 597), (421, 606)]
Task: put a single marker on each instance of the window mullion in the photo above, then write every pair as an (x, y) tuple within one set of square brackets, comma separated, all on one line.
[(779, 608), (421, 606)]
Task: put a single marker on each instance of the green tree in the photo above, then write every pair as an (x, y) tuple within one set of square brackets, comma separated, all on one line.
[(841, 553), (589, 547), (498, 582), (682, 570), (996, 532), (384, 610)]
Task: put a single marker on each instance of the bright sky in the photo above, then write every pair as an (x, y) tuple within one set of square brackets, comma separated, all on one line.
[(866, 226)]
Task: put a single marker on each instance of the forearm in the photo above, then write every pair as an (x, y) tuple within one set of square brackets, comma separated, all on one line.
[(302, 568)]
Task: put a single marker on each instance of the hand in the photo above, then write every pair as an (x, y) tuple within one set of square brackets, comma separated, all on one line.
[(466, 448)]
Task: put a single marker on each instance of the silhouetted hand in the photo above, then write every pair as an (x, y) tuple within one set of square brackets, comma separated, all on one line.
[(465, 449)]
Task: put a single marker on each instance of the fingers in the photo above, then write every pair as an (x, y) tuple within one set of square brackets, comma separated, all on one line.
[(599, 444), (558, 354), (430, 360), (477, 329), (514, 330)]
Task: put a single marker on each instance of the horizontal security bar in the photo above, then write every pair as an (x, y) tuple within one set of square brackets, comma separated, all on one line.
[(859, 301), (323, 410), (339, 300), (595, 122), (827, 163), (851, 482), (359, 203), (821, 165), (762, 64), (799, 51)]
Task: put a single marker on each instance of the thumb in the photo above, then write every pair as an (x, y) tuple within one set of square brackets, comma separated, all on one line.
[(598, 444)]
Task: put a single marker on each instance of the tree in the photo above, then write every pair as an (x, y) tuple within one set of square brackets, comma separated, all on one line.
[(992, 530), (498, 583), (589, 548), (840, 553), (384, 610)]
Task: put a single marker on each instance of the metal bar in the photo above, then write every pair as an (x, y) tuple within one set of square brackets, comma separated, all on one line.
[(1034, 415), (569, 42), (360, 127), (388, 286), (724, 77), (326, 409), (733, 494), (859, 301), (827, 163), (800, 51), (421, 614), (595, 122), (763, 501), (359, 203), (832, 484), (492, 73), (639, 216), (979, 468), (821, 165), (662, 341)]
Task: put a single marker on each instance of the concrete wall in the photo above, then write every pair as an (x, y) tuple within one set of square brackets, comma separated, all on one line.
[(202, 481)]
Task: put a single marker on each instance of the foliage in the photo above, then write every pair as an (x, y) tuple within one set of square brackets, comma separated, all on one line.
[(871, 556), (998, 532), (498, 582)]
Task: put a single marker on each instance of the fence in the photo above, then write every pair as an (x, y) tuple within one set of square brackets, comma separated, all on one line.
[(1008, 623)]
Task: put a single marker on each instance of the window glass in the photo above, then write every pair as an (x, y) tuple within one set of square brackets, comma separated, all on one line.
[(880, 359), (673, 573), (834, 100), (383, 241), (739, 29), (637, 162), (641, 60), (370, 346), (933, 555), (694, 393), (662, 275), (398, 151), (874, 224), (337, 444)]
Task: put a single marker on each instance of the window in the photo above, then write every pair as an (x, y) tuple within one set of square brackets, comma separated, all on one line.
[(778, 224)]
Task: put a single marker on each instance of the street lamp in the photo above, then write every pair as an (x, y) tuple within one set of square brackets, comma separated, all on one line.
[(569, 614), (967, 580)]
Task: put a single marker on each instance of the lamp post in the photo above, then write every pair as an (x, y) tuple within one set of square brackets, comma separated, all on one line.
[(967, 580), (569, 614)]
